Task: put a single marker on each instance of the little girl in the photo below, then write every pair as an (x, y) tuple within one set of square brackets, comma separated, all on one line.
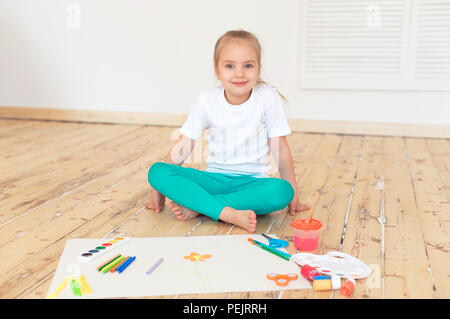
[(246, 120)]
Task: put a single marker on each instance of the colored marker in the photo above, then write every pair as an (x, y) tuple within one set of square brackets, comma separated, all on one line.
[(99, 268), (154, 266), (124, 266), (119, 264), (111, 265), (268, 249), (274, 249)]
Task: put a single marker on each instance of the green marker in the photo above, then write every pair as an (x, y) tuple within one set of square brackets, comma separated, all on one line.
[(273, 249), (268, 249), (111, 265), (107, 263)]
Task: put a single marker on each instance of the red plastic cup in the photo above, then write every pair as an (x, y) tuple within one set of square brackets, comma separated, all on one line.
[(306, 235)]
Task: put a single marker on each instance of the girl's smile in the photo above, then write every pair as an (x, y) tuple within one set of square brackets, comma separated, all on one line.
[(239, 83)]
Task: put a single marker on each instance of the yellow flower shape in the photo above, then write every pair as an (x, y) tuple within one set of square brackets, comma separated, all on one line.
[(196, 256)]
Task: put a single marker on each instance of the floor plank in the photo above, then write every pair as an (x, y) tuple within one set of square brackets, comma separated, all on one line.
[(433, 212), (405, 271), (362, 237)]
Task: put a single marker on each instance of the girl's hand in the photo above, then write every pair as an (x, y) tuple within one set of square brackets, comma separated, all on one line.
[(296, 206), (157, 202)]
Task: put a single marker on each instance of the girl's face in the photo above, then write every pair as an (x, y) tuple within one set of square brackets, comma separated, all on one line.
[(238, 71)]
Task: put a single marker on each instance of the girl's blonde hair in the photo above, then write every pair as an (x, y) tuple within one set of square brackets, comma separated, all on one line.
[(250, 39)]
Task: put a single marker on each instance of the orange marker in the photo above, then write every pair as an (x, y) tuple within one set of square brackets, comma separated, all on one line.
[(117, 266)]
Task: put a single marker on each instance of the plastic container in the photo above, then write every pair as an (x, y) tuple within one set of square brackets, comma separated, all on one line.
[(309, 272), (327, 284), (348, 287), (306, 235)]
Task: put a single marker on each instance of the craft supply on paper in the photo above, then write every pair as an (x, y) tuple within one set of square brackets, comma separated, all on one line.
[(282, 279), (125, 265), (154, 266), (274, 251), (276, 243), (102, 248)]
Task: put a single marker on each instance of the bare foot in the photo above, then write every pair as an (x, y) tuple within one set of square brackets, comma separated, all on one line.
[(242, 218), (303, 207), (182, 213)]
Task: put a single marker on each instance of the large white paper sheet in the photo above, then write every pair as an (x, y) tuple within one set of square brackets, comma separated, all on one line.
[(234, 265)]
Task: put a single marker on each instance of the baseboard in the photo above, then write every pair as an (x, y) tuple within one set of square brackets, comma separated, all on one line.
[(169, 119)]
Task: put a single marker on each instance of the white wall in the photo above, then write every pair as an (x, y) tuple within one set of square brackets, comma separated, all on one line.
[(156, 56)]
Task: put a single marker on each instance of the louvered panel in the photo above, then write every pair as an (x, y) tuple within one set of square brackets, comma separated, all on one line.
[(431, 44), (353, 44)]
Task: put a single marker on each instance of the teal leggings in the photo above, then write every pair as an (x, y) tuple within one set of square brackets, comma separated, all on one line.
[(208, 193)]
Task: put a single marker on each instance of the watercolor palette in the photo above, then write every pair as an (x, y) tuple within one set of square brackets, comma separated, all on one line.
[(334, 263), (102, 248)]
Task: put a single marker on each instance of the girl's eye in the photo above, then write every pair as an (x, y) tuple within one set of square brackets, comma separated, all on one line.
[(228, 66), (249, 66)]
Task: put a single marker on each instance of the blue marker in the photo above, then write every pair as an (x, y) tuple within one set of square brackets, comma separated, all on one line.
[(125, 265)]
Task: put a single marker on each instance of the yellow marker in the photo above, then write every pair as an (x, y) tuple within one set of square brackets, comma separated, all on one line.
[(111, 265), (85, 288), (58, 290)]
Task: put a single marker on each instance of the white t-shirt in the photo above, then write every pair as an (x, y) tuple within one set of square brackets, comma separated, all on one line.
[(238, 140)]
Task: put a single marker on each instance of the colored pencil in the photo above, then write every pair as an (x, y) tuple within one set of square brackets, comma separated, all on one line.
[(99, 268), (119, 264), (268, 249), (124, 266), (111, 265), (154, 266)]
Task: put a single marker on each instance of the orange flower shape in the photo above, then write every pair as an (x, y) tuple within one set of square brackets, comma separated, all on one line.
[(195, 256)]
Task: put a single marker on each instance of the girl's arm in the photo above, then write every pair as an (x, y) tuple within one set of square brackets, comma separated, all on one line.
[(283, 158), (285, 163), (180, 151)]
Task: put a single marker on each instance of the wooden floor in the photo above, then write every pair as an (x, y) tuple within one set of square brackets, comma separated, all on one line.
[(385, 200)]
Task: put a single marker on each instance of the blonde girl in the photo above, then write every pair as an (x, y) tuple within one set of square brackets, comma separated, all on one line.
[(246, 121)]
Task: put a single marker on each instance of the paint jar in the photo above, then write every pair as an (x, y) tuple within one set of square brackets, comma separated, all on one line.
[(348, 287), (327, 284), (306, 235), (309, 272)]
